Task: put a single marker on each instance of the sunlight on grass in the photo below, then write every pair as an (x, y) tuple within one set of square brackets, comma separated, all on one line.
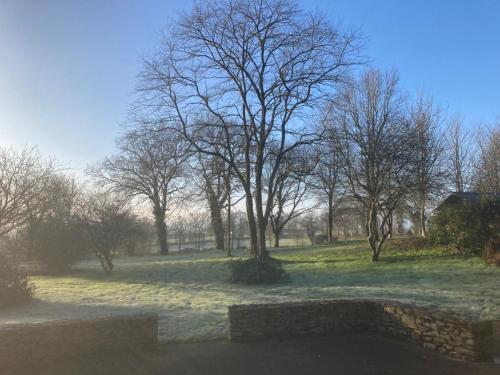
[(191, 293)]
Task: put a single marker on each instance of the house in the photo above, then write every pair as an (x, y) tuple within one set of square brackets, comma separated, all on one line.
[(458, 198)]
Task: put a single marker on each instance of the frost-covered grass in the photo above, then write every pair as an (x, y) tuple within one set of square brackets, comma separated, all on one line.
[(191, 292)]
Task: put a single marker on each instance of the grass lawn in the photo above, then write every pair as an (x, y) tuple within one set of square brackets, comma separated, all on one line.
[(191, 292)]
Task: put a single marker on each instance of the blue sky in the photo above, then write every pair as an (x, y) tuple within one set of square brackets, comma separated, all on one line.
[(68, 68)]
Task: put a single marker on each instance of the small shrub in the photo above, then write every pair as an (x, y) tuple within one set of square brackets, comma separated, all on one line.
[(256, 271), (321, 239), (412, 243), (14, 286)]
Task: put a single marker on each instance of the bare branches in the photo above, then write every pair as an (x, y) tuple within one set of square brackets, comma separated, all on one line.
[(460, 155), (376, 148), (327, 176), (487, 176), (150, 165), (249, 71), (23, 176), (109, 225), (429, 147), (292, 189)]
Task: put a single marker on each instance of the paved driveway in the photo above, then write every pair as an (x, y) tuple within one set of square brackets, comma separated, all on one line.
[(350, 354)]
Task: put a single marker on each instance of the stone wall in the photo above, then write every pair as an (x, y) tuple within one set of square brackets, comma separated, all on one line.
[(448, 334), (456, 337), (50, 341)]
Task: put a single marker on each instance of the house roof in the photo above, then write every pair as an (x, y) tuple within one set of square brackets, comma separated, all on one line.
[(467, 196)]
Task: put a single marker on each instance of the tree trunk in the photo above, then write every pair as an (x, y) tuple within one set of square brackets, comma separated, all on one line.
[(276, 239), (423, 229), (330, 219), (106, 262), (373, 232), (367, 226), (260, 219), (161, 229), (252, 227), (261, 237), (390, 225), (229, 228), (218, 229), (216, 218), (261, 224)]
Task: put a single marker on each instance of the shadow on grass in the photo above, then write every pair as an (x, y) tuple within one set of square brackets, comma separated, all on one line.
[(322, 271), (417, 257), (289, 261), (38, 311)]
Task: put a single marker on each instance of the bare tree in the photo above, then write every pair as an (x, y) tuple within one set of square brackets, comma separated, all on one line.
[(180, 231), (346, 212), (23, 177), (376, 143), (292, 189), (239, 226), (151, 166), (460, 155), (198, 223), (108, 222), (487, 175), (216, 185), (328, 173), (429, 147), (248, 70), (310, 224)]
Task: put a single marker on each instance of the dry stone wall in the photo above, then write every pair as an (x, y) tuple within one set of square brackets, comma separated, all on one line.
[(450, 335), (51, 341)]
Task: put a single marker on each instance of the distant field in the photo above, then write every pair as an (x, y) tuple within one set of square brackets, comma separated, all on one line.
[(191, 293)]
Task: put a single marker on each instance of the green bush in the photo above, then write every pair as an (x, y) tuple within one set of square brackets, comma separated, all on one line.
[(466, 227), (407, 244), (56, 243), (256, 271), (14, 286)]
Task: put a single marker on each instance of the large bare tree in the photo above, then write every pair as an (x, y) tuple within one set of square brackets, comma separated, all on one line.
[(149, 165), (328, 173), (249, 70), (376, 149), (429, 147)]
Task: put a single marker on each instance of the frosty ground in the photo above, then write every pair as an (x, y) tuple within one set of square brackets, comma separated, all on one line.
[(191, 292)]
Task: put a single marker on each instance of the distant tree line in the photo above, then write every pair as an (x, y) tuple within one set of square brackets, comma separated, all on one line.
[(255, 121), (267, 98)]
